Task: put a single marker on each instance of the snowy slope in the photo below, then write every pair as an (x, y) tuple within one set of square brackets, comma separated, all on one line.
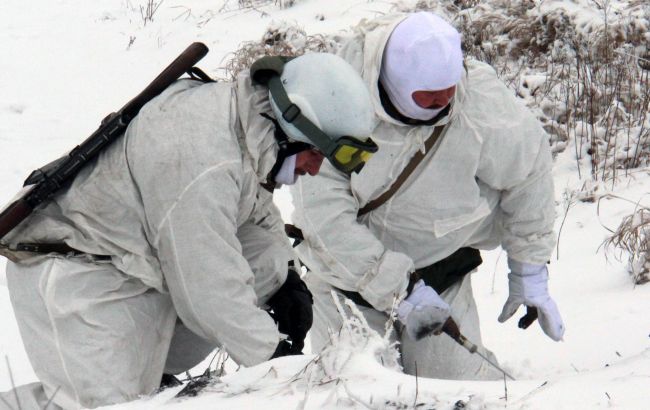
[(66, 64)]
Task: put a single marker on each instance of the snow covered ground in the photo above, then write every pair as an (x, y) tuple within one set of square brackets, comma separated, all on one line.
[(66, 64)]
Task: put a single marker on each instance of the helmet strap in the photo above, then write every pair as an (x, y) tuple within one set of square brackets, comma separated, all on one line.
[(291, 113), (287, 147), (267, 71)]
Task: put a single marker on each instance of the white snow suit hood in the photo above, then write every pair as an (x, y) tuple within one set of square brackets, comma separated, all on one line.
[(487, 183)]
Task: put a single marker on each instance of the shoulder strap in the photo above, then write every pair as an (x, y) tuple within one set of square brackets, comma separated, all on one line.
[(197, 74), (408, 170)]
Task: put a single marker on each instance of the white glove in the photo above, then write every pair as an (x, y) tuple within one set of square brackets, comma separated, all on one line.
[(423, 312), (528, 286)]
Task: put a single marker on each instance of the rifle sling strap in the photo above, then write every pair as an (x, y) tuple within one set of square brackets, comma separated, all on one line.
[(60, 248), (196, 73), (408, 170)]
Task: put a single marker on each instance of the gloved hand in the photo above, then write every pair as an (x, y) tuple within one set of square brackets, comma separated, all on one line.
[(283, 349), (528, 286), (423, 312), (292, 310)]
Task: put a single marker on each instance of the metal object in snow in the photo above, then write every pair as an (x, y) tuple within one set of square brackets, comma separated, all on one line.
[(451, 328)]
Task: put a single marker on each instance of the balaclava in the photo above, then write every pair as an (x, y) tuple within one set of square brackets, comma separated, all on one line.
[(423, 53)]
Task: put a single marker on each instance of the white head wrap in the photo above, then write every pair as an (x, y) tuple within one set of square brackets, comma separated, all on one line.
[(287, 173), (423, 53)]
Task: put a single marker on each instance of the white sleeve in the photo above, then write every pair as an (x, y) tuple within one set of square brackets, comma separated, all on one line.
[(266, 247), (529, 213), (516, 160), (343, 251), (210, 281)]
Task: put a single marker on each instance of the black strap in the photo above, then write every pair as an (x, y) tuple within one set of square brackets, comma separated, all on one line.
[(197, 74), (294, 233), (444, 273), (60, 248), (287, 146), (291, 113), (287, 149), (408, 170)]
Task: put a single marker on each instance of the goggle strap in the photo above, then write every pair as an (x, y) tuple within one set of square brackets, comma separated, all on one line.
[(291, 113)]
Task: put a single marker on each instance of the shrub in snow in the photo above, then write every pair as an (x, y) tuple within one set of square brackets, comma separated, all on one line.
[(148, 10), (280, 39), (258, 3), (355, 338), (580, 67), (632, 238), (354, 352)]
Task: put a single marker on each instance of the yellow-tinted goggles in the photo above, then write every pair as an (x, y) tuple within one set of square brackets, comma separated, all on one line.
[(347, 154), (351, 154)]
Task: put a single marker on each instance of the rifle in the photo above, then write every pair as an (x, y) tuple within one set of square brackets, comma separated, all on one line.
[(44, 182)]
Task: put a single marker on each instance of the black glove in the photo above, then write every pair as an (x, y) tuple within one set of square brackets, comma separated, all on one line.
[(292, 310), (283, 349)]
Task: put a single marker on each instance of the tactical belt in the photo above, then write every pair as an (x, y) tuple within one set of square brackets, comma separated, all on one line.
[(440, 276)]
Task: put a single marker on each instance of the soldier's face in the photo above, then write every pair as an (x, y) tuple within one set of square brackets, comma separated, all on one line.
[(434, 99), (308, 162)]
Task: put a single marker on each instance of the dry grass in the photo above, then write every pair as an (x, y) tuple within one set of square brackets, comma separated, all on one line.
[(282, 39), (596, 90), (632, 238), (148, 10)]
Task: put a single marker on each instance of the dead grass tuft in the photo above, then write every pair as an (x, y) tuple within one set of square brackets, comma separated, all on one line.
[(283, 39), (632, 238)]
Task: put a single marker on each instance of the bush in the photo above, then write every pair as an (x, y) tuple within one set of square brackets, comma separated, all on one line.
[(280, 39), (585, 77), (632, 238)]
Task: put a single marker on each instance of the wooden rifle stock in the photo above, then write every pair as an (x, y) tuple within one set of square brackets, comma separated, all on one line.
[(184, 62), (48, 180), (14, 214)]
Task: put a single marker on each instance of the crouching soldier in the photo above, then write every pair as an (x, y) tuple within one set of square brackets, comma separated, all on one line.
[(462, 166), (167, 245)]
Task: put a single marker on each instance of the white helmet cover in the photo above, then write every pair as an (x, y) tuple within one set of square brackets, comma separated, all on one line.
[(330, 93)]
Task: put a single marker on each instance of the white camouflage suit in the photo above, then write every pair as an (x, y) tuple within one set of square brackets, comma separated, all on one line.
[(487, 183), (178, 207)]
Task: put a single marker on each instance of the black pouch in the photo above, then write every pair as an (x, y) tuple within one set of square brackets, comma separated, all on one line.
[(444, 273), (440, 275)]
